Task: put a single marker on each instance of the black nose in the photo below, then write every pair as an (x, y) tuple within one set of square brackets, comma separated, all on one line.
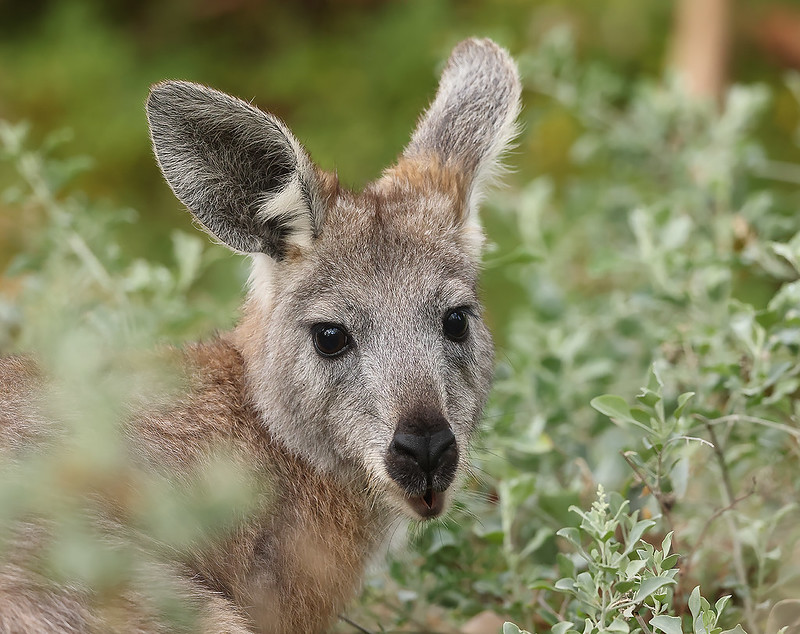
[(423, 454), (427, 450)]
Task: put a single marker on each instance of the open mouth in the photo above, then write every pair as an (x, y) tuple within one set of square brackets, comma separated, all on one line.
[(428, 505)]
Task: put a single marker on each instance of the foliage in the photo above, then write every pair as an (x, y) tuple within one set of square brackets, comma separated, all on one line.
[(626, 577), (623, 576), (76, 253)]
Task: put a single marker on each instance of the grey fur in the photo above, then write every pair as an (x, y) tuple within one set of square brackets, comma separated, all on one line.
[(387, 265)]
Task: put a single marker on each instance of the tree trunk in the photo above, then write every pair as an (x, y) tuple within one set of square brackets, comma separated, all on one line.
[(701, 45)]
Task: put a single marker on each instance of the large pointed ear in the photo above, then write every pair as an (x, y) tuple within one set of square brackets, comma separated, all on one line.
[(472, 120), (239, 170)]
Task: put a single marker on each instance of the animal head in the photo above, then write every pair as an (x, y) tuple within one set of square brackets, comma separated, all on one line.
[(363, 338)]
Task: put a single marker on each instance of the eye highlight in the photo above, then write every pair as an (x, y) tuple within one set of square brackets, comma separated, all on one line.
[(456, 324), (330, 340)]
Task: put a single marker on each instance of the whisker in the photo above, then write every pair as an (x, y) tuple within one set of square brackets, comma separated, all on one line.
[(485, 450), (473, 516), (479, 474), (479, 496)]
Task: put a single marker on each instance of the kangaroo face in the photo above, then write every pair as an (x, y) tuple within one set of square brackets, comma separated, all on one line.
[(363, 339), (374, 351)]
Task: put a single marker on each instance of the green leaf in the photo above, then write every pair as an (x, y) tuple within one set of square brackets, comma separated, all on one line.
[(786, 252), (667, 624), (634, 568), (651, 586), (719, 606), (669, 562), (559, 628), (666, 543), (572, 535), (541, 584), (679, 475), (616, 408), (648, 398), (188, 253), (636, 533), (736, 630), (566, 567), (683, 400), (586, 584), (566, 584), (618, 625), (534, 544), (694, 603), (625, 586), (655, 382), (612, 406)]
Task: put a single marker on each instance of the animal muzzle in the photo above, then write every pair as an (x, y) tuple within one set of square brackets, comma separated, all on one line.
[(422, 459)]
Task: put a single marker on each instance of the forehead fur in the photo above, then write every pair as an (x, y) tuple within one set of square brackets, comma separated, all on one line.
[(403, 237), (398, 241), (398, 221)]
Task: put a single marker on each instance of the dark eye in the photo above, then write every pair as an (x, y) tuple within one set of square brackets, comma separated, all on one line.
[(456, 324), (330, 340)]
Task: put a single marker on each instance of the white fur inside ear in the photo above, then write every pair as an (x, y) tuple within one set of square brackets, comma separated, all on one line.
[(473, 237), (260, 281), (491, 167), (289, 208)]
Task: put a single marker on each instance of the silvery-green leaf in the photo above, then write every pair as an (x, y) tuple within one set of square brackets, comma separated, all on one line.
[(667, 624), (651, 586)]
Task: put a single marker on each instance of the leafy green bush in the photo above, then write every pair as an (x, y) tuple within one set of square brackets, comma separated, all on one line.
[(626, 578)]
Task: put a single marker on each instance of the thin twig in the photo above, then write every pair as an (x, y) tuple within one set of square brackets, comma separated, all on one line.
[(687, 559), (739, 418), (363, 630), (645, 629), (659, 494), (710, 521), (723, 465), (656, 490), (545, 606), (562, 611), (738, 555)]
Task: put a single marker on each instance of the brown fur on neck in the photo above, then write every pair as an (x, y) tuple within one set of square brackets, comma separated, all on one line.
[(300, 558)]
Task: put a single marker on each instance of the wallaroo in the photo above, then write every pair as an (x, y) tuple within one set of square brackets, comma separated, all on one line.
[(355, 379)]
